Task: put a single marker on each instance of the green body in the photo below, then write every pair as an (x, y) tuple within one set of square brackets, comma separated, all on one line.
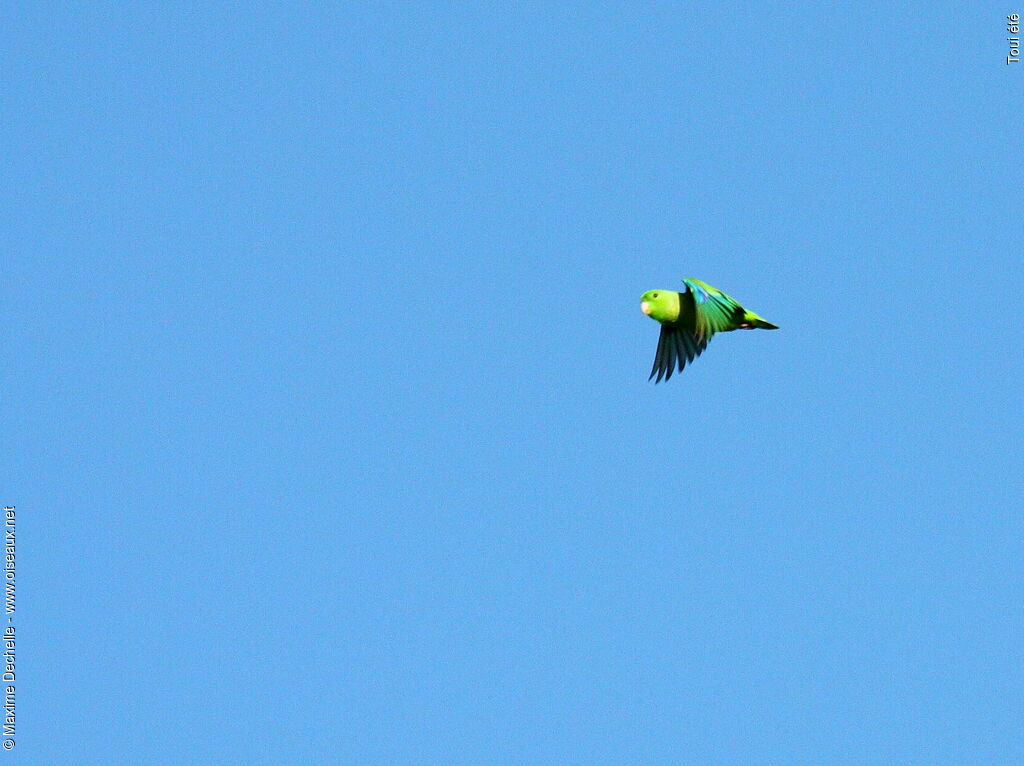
[(688, 320)]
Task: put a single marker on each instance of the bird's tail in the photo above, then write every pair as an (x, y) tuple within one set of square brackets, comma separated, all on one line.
[(753, 320)]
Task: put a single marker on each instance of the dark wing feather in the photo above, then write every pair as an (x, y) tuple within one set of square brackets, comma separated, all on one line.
[(676, 347), (691, 344), (665, 356)]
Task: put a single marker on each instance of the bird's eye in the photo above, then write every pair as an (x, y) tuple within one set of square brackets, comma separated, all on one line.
[(655, 295)]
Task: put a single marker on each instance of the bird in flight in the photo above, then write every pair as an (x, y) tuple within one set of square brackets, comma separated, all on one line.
[(688, 320)]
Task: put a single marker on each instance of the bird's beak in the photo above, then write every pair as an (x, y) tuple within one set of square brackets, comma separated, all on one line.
[(645, 307)]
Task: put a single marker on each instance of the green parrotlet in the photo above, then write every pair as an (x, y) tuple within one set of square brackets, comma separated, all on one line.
[(689, 319)]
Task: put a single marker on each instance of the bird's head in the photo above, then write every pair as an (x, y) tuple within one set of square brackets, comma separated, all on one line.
[(660, 305)]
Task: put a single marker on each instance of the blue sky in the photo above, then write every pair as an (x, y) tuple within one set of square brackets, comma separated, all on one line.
[(326, 405)]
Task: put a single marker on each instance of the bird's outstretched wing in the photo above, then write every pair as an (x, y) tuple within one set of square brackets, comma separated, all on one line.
[(713, 310), (676, 347)]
